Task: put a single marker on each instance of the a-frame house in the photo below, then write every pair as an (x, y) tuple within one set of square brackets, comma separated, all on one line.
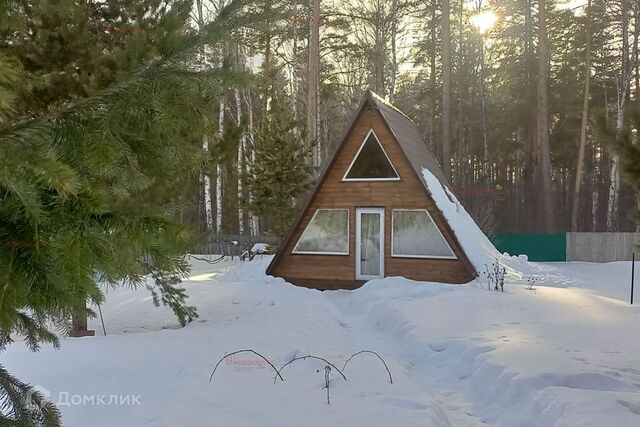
[(370, 214)]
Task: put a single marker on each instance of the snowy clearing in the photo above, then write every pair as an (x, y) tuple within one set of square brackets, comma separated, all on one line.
[(564, 354)]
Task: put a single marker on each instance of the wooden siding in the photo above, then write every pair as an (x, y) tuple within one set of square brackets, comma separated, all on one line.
[(338, 271)]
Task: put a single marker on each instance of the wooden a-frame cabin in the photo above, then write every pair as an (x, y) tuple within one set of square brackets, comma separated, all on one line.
[(370, 214)]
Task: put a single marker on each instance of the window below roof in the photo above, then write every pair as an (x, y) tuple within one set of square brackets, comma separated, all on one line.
[(414, 234), (371, 163), (326, 234)]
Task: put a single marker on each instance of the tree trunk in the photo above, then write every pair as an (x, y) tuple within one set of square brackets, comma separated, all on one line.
[(379, 49), (623, 86), (446, 89), (486, 168), (460, 144), (636, 56), (528, 173), (394, 50), (266, 68), (241, 162), (543, 170), (218, 177), (313, 82), (206, 178), (432, 78), (79, 321), (250, 155), (575, 207), (294, 64), (219, 170), (601, 160)]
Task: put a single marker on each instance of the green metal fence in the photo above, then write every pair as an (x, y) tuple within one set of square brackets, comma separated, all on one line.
[(538, 247)]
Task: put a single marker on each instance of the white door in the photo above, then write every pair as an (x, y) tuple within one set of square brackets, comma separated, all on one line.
[(369, 243)]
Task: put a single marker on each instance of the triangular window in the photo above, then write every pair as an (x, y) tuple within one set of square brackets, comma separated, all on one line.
[(371, 163), (416, 235), (327, 233)]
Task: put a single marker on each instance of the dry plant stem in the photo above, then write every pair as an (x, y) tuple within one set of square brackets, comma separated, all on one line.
[(307, 357), (375, 354)]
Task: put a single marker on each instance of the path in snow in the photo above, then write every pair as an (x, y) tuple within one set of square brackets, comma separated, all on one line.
[(372, 336)]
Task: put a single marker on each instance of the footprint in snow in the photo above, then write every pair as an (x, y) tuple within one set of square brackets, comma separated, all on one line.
[(436, 348)]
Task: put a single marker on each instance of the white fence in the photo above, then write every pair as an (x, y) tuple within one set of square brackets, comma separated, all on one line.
[(602, 247)]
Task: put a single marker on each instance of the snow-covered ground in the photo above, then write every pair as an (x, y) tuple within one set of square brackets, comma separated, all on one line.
[(564, 354)]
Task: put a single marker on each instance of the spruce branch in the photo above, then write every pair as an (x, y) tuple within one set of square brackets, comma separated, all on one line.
[(23, 406)]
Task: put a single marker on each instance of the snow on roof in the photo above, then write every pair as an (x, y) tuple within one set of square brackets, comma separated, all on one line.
[(474, 242)]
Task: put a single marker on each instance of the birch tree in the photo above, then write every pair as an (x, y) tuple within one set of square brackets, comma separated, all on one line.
[(206, 178), (219, 171), (624, 78)]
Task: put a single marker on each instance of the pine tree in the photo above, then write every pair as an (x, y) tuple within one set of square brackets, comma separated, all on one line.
[(90, 185), (281, 170)]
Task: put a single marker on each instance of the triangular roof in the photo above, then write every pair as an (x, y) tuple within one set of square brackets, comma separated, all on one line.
[(406, 133), (413, 146)]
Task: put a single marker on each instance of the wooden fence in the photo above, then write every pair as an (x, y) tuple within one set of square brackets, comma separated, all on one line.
[(231, 244), (602, 247)]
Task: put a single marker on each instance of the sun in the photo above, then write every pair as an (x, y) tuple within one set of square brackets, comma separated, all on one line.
[(484, 21)]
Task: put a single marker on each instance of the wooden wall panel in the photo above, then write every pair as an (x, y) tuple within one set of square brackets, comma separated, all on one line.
[(324, 271)]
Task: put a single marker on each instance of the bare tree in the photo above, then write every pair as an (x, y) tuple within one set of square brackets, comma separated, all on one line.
[(575, 208)]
